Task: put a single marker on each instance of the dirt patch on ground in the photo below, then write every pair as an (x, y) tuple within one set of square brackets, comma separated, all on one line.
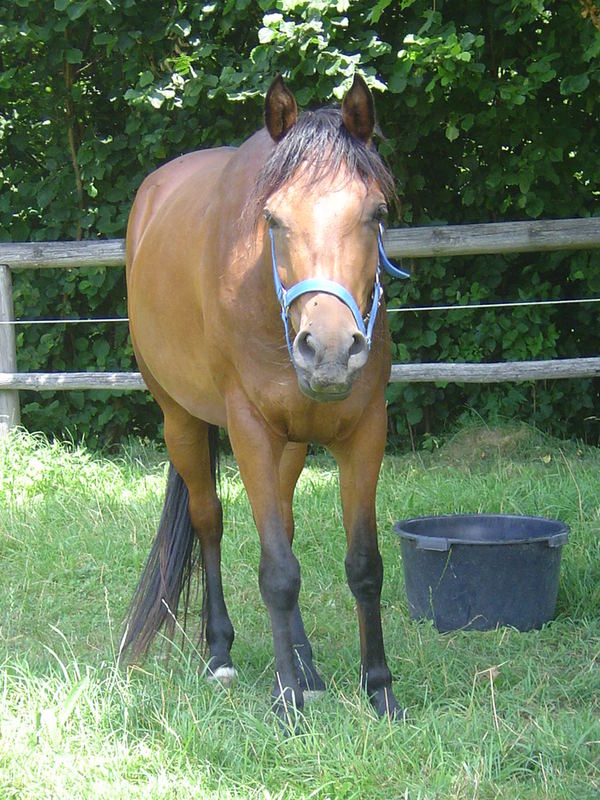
[(481, 444)]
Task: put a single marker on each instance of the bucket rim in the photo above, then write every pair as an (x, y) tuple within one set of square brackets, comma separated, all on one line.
[(556, 537)]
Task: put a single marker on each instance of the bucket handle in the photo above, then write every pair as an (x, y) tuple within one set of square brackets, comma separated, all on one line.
[(439, 544), (559, 539)]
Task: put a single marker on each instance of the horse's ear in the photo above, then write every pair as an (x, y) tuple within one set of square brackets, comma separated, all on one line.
[(280, 109), (358, 110)]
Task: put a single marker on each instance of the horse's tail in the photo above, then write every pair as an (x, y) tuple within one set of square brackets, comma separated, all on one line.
[(174, 559)]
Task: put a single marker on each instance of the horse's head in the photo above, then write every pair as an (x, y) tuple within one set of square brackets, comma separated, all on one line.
[(324, 191)]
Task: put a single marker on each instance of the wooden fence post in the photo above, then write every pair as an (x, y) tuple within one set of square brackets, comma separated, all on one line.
[(10, 414)]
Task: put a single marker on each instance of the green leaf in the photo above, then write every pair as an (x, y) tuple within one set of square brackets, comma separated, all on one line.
[(101, 349), (574, 84), (76, 10), (146, 78), (414, 415), (593, 50), (397, 83), (104, 37), (525, 179), (451, 132), (266, 35), (46, 195), (305, 96), (375, 13), (73, 55), (534, 206)]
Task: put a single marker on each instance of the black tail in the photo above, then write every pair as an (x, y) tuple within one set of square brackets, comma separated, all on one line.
[(174, 559)]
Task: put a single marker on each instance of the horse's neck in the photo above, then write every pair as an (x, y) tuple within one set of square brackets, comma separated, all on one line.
[(241, 171), (239, 244)]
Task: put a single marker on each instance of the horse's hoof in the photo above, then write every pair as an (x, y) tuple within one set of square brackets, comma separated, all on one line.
[(289, 717), (310, 681), (224, 676), (288, 705), (386, 706)]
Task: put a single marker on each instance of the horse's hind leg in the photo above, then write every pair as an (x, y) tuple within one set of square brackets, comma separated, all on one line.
[(192, 455), (290, 467)]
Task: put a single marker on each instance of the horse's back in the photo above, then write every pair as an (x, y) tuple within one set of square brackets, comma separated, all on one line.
[(199, 168)]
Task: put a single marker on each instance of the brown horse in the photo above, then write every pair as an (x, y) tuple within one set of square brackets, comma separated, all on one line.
[(214, 238)]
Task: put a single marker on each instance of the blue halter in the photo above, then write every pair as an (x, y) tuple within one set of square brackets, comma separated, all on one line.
[(287, 296)]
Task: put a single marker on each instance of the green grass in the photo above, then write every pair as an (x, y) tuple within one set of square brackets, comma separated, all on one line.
[(498, 714)]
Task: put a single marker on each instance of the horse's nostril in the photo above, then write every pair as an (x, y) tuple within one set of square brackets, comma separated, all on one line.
[(305, 346), (358, 346)]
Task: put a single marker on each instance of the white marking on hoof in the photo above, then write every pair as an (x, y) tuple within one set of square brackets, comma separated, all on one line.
[(310, 695), (225, 676)]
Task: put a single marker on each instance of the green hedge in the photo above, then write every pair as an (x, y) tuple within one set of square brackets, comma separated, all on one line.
[(489, 112)]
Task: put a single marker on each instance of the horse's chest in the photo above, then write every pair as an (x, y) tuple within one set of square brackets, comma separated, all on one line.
[(291, 415)]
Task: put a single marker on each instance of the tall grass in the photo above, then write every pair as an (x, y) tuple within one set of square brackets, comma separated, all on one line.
[(498, 714)]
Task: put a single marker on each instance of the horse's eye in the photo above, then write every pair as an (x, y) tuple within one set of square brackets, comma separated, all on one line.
[(272, 221), (381, 213)]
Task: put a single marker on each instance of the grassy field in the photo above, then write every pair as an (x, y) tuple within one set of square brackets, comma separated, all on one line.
[(498, 714)]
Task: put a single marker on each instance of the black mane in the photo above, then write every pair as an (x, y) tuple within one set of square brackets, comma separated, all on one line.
[(319, 142)]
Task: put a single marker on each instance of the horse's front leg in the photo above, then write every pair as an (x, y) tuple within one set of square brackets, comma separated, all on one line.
[(290, 467), (359, 458), (258, 452)]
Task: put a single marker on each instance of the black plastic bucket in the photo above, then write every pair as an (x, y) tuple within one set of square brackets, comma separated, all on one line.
[(480, 571)]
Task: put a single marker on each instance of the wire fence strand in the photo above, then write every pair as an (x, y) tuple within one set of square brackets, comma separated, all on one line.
[(403, 309), (507, 304), (78, 321)]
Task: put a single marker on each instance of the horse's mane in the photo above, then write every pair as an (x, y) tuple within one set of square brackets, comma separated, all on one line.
[(320, 144)]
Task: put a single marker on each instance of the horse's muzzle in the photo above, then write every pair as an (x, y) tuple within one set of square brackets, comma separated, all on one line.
[(327, 368)]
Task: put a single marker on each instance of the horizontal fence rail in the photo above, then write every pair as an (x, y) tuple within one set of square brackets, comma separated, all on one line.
[(493, 237), (496, 372), (63, 255), (422, 242), (438, 240), (70, 381), (401, 373)]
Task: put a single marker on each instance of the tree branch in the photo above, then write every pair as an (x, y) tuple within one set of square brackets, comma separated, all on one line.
[(73, 141)]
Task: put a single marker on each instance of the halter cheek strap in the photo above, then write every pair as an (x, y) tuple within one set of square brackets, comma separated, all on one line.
[(391, 269), (287, 296)]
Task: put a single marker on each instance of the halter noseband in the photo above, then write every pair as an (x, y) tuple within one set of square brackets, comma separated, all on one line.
[(287, 296)]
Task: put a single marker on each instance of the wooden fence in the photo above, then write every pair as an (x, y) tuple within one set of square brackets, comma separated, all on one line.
[(451, 240)]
